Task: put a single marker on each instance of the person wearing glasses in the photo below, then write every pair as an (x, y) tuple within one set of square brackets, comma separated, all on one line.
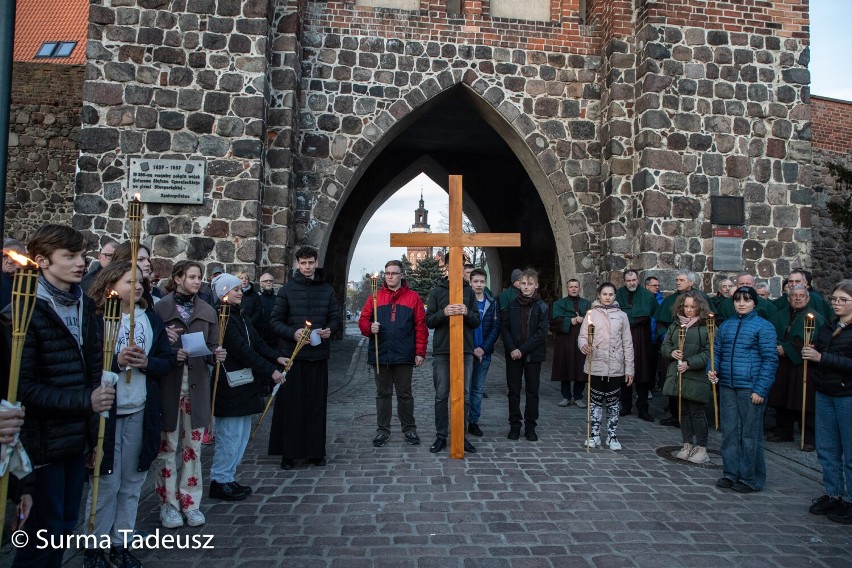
[(265, 303), (831, 354), (399, 326), (104, 258)]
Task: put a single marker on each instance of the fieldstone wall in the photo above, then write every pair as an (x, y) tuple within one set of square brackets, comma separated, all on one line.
[(43, 133), (722, 113), (177, 79), (625, 128), (832, 250)]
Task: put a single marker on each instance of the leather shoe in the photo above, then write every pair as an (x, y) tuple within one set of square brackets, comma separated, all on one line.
[(468, 447), (412, 438), (248, 490), (286, 464), (226, 492), (380, 440), (646, 417), (319, 462), (724, 483), (514, 432), (473, 428), (531, 435), (741, 487), (440, 444)]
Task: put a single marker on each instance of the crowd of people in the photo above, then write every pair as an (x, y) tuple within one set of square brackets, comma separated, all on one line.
[(176, 378)]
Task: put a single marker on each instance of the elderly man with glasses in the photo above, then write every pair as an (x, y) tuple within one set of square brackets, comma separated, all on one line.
[(399, 326)]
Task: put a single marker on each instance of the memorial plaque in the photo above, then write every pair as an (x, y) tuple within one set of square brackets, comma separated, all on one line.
[(728, 249), (167, 181), (727, 210)]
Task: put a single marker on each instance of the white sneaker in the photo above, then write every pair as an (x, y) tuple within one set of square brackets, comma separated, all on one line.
[(613, 443), (564, 402), (698, 455), (593, 442), (684, 452), (194, 518), (580, 403), (170, 517)]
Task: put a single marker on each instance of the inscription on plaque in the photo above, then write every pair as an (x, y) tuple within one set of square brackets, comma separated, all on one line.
[(728, 249), (167, 181)]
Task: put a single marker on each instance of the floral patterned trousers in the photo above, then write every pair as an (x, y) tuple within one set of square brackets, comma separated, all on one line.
[(186, 495)]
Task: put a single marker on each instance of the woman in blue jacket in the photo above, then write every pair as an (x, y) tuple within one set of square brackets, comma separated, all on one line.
[(745, 363)]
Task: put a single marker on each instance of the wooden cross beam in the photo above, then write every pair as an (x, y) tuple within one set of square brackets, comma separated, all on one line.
[(456, 240)]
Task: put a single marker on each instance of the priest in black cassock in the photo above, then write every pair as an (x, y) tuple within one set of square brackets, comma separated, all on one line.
[(639, 305), (299, 416)]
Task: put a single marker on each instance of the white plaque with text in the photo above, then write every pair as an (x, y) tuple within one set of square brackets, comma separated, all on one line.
[(167, 181)]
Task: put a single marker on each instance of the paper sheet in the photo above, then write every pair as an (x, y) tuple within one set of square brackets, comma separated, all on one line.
[(194, 344)]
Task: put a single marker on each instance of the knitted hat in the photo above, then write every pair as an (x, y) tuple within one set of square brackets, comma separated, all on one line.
[(223, 284), (748, 291), (516, 274)]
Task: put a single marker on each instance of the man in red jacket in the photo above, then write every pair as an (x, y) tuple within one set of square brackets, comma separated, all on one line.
[(400, 329)]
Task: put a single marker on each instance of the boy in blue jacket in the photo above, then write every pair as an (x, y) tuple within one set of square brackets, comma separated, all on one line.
[(484, 338)]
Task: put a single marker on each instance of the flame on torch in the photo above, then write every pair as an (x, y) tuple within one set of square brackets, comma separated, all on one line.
[(20, 259)]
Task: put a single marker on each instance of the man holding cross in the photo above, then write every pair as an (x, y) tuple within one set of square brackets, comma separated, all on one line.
[(438, 312)]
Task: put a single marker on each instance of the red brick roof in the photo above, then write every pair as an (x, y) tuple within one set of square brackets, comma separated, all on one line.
[(37, 21)]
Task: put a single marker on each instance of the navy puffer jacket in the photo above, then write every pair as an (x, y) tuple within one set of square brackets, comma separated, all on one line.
[(745, 355)]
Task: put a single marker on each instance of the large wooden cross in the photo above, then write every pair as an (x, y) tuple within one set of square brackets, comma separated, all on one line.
[(456, 240)]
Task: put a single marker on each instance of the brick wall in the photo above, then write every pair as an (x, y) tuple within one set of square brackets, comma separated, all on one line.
[(782, 18), (43, 133), (832, 125)]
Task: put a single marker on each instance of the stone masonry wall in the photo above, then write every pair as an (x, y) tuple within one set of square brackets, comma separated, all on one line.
[(177, 79), (44, 127), (832, 251), (722, 113)]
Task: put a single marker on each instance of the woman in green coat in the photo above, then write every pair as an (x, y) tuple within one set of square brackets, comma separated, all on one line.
[(691, 310)]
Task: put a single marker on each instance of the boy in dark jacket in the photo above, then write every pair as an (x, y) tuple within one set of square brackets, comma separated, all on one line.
[(402, 337), (524, 325), (484, 338), (438, 313), (60, 388)]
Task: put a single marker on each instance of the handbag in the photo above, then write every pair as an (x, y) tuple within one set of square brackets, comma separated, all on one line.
[(239, 378)]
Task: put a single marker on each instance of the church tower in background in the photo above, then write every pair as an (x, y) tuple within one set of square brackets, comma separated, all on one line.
[(421, 225)]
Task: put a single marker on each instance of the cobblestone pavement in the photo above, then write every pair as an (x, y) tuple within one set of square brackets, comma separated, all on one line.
[(513, 503)]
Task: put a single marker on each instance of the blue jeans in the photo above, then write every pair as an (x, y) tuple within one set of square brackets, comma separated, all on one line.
[(477, 387), (57, 496), (232, 436), (742, 437), (441, 379), (834, 442)]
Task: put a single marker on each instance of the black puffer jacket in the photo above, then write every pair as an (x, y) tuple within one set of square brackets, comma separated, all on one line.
[(833, 374), (56, 382), (245, 350), (300, 300)]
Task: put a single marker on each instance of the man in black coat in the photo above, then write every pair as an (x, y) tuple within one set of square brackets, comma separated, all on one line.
[(60, 388), (299, 417)]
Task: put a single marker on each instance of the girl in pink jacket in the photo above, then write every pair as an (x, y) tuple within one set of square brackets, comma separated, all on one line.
[(610, 357)]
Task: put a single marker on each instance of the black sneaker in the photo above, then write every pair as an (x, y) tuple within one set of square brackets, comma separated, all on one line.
[(94, 558), (531, 435), (120, 557), (440, 444), (412, 438), (724, 483), (380, 440), (741, 487), (473, 428), (842, 515), (468, 447), (825, 505), (514, 432)]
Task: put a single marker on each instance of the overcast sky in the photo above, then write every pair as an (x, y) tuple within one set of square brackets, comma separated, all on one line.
[(831, 76)]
